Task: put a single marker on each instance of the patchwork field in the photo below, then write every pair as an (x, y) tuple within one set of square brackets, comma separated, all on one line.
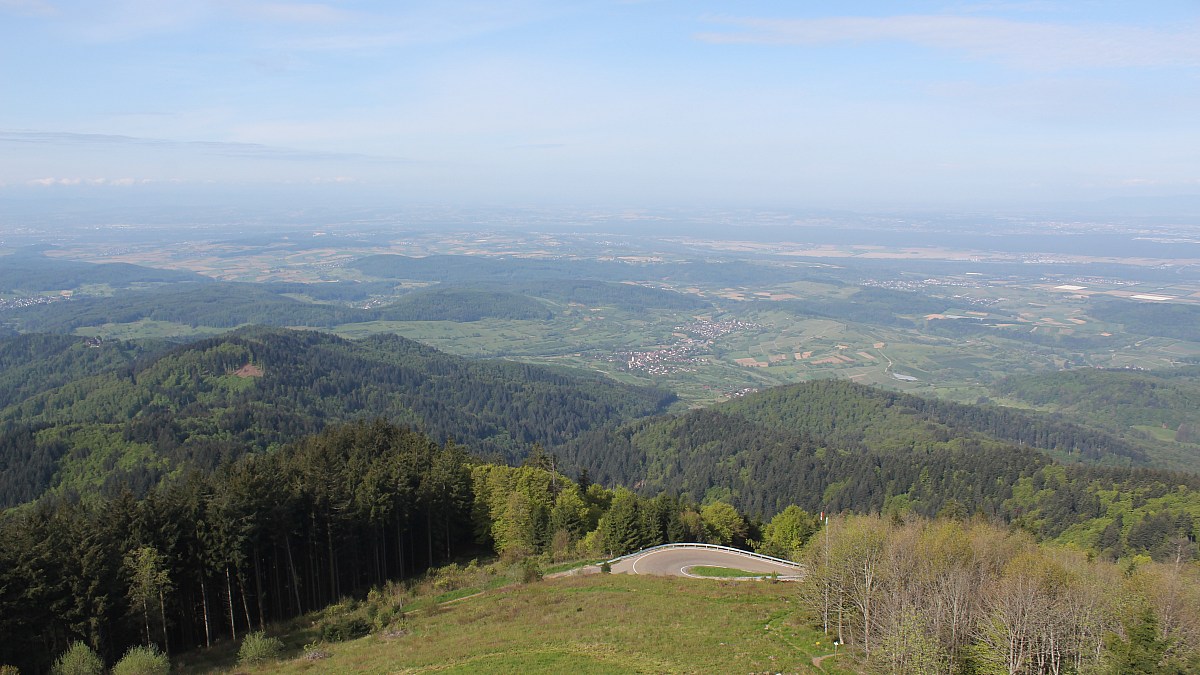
[(970, 329)]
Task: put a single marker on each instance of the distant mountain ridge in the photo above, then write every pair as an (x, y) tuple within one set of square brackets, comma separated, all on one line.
[(36, 272)]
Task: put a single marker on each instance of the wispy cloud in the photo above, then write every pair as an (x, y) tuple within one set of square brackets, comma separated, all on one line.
[(125, 20), (448, 21), (28, 7), (538, 146), (220, 148), (1031, 45), (75, 181), (292, 12)]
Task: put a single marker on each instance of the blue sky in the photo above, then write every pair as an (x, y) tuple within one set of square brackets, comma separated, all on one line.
[(691, 103)]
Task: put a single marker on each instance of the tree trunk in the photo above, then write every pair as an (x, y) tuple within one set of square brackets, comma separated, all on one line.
[(204, 603), (287, 542), (258, 588), (229, 596), (333, 584), (146, 616), (245, 605), (400, 548), (162, 611), (381, 553), (429, 535)]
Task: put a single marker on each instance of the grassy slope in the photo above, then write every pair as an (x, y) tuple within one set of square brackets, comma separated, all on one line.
[(592, 624)]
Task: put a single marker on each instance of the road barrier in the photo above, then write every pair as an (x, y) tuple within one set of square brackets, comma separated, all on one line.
[(708, 546)]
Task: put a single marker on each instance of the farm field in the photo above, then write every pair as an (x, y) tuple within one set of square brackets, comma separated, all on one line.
[(757, 332), (776, 347)]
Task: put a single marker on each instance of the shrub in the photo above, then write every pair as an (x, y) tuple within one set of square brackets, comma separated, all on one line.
[(384, 607), (143, 661), (258, 648), (530, 571), (79, 659), (9, 670), (605, 568), (338, 629)]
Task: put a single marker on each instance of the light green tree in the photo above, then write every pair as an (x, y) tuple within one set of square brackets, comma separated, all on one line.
[(788, 531), (723, 524), (79, 659), (148, 581)]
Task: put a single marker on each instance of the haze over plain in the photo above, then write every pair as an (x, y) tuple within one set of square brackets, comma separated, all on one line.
[(875, 105)]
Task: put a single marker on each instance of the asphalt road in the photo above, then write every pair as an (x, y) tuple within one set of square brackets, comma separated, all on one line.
[(679, 561)]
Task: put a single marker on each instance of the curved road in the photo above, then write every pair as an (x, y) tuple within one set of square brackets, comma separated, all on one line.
[(679, 561)]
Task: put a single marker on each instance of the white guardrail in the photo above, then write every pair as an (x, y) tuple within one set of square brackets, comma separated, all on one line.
[(717, 547)]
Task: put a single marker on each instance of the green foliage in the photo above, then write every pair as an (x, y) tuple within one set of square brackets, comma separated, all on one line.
[(832, 446), (788, 531), (142, 661), (148, 581), (342, 628), (620, 530), (530, 571), (258, 648), (1142, 650), (79, 659), (129, 425), (1117, 400), (723, 525)]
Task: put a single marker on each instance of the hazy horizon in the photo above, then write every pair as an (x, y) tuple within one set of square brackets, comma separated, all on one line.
[(913, 105)]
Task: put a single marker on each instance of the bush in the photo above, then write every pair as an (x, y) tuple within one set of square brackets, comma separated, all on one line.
[(530, 571), (605, 568), (384, 607), (258, 648), (9, 670), (143, 661), (79, 659), (338, 629)]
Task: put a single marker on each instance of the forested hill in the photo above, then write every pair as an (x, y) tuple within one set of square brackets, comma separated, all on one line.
[(35, 272), (131, 421), (1160, 408), (463, 304), (31, 364), (217, 304), (833, 445), (212, 304)]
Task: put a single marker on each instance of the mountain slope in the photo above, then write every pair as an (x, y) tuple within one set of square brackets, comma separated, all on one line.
[(211, 400), (1159, 410), (831, 445), (38, 273)]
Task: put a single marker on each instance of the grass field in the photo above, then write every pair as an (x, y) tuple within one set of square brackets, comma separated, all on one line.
[(723, 572), (590, 624)]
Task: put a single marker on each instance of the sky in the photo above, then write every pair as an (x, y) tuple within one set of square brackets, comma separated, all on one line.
[(631, 103)]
